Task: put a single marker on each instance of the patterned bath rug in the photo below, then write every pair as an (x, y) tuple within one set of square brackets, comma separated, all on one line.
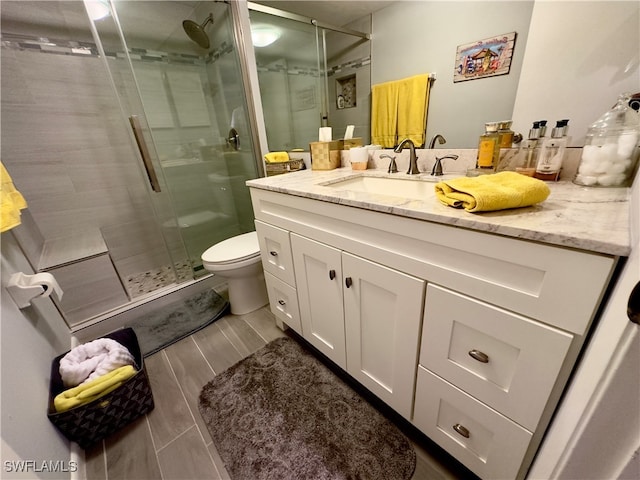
[(281, 414), (177, 320)]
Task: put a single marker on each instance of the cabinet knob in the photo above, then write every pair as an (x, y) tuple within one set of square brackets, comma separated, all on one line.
[(273, 253), (479, 356), (282, 302), (461, 430), (332, 274), (348, 282)]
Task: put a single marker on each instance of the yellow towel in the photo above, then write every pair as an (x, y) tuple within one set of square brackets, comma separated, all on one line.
[(492, 192), (413, 98), (87, 392), (276, 157), (384, 114), (11, 202)]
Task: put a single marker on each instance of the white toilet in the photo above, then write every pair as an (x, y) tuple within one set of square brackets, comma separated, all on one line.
[(237, 260)]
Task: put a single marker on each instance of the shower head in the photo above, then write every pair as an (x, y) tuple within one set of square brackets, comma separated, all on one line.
[(196, 32)]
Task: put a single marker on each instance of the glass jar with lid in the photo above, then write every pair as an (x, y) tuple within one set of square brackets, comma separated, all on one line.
[(610, 154)]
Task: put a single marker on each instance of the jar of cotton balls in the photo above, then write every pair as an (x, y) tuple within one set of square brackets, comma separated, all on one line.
[(611, 149)]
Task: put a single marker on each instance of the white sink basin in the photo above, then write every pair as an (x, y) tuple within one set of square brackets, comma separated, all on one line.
[(420, 188)]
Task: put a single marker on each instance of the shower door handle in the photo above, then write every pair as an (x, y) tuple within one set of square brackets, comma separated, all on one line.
[(144, 152), (234, 139)]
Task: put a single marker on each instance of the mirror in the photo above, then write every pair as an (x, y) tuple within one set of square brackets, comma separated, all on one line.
[(558, 63)]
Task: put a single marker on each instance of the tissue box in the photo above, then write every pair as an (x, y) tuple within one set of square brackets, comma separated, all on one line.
[(325, 155), (352, 142), (89, 423)]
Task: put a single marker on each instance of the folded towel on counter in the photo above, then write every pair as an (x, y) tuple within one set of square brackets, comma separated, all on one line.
[(384, 114), (492, 192), (93, 359), (276, 157), (96, 388), (413, 98)]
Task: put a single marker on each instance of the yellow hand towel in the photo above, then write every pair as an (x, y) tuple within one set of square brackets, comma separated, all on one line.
[(276, 157), (87, 392), (413, 98), (11, 202), (384, 114), (492, 192)]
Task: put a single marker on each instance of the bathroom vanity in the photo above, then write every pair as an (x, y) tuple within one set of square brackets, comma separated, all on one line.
[(468, 325)]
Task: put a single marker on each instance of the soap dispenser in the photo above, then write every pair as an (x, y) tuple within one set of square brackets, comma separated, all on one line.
[(552, 153), (528, 153), (611, 149)]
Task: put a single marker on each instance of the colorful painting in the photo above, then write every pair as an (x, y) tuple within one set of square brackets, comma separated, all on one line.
[(485, 58)]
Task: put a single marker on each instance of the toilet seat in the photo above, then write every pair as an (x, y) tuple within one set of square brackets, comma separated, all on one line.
[(233, 250)]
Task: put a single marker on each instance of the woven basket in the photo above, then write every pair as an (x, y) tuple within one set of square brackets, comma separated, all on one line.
[(89, 423), (284, 167)]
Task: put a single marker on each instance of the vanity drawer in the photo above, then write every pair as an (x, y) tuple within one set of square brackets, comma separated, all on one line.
[(275, 249), (505, 360), (284, 302), (489, 444)]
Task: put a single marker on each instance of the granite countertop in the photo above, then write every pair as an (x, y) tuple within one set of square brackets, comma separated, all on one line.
[(591, 219)]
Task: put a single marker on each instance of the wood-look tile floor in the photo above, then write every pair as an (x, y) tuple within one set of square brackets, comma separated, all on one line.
[(172, 441)]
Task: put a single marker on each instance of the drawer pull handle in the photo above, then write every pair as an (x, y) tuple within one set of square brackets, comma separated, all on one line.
[(479, 356), (273, 253), (332, 274), (282, 302), (461, 430), (348, 282)]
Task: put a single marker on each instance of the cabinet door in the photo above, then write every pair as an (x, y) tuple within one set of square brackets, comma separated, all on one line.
[(383, 309), (275, 251), (283, 301), (318, 272)]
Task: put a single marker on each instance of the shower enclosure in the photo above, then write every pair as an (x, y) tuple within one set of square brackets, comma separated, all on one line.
[(130, 141), (311, 75), (130, 128)]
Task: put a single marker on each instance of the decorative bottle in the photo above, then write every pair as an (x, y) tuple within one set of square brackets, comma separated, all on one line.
[(488, 147), (505, 134), (611, 149)]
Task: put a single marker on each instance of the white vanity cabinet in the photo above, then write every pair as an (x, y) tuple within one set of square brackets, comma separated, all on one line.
[(363, 316), (470, 335)]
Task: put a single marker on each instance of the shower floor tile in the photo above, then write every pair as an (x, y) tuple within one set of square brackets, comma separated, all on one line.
[(146, 282)]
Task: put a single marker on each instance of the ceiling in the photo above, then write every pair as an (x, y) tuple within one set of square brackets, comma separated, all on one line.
[(333, 12)]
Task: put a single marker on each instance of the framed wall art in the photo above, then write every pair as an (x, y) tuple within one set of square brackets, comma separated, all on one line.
[(485, 58)]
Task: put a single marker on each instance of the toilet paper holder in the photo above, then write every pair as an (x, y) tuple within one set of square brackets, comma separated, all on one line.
[(24, 288)]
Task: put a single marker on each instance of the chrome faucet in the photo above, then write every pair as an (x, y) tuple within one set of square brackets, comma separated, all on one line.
[(440, 139), (437, 167), (413, 160)]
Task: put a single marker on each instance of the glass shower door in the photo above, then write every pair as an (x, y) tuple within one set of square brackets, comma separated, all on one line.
[(190, 99)]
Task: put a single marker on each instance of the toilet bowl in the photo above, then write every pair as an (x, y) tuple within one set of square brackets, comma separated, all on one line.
[(237, 260)]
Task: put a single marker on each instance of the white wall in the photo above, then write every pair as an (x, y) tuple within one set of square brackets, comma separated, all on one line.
[(592, 50), (413, 37), (30, 339)]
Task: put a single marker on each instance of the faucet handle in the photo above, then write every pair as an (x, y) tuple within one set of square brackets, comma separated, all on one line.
[(393, 168), (437, 167)]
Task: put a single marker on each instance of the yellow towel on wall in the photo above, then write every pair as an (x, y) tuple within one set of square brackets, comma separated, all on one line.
[(413, 98), (492, 192), (276, 157), (87, 392), (384, 114), (11, 202)]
